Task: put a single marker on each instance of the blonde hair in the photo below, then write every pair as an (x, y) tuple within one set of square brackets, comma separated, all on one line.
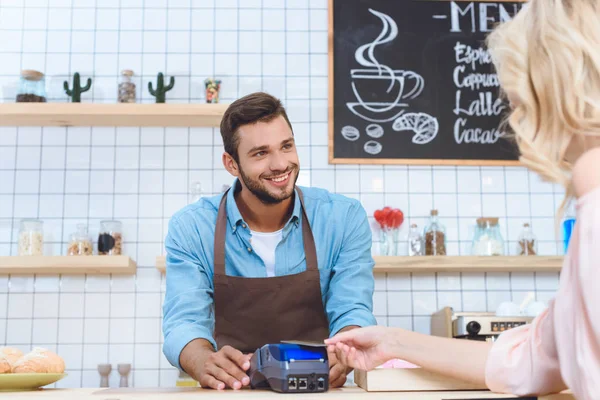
[(547, 59)]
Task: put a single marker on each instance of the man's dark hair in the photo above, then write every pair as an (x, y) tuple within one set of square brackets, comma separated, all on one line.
[(252, 108)]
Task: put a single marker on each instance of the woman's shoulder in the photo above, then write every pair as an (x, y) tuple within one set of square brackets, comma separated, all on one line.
[(586, 173)]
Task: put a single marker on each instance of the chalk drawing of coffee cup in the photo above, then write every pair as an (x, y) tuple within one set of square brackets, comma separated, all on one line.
[(380, 91), (380, 95), (385, 87)]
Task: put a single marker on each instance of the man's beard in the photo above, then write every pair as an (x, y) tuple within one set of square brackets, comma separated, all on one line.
[(258, 189)]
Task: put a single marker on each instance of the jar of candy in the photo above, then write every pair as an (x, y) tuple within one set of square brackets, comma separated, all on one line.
[(487, 240), (126, 87), (32, 87), (527, 245), (81, 243), (31, 237), (435, 236), (110, 239)]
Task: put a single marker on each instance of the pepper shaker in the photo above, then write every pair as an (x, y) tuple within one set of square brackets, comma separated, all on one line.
[(124, 370), (104, 370)]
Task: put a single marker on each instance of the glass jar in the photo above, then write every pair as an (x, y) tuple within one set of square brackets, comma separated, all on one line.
[(32, 87), (195, 192), (435, 236), (487, 240), (110, 239), (81, 243), (31, 237), (527, 245), (212, 87), (126, 87), (415, 241)]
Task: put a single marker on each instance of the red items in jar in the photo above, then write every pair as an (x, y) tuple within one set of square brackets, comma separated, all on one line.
[(390, 218)]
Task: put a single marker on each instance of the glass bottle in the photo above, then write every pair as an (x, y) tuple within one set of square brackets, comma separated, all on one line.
[(81, 243), (32, 87), (567, 225), (488, 240), (435, 236), (126, 87), (110, 239), (31, 237), (527, 245), (195, 192), (388, 242), (415, 241)]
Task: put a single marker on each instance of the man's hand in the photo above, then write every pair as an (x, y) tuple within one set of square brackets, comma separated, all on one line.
[(225, 368), (338, 371)]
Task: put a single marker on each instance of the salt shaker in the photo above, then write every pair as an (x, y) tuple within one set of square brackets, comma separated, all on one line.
[(124, 370), (415, 241)]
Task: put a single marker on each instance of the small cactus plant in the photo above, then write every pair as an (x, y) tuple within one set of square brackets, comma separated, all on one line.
[(75, 93), (161, 89)]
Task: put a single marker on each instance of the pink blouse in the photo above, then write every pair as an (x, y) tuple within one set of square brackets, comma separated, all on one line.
[(561, 348)]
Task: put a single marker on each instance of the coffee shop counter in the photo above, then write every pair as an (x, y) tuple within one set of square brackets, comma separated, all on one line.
[(177, 393)]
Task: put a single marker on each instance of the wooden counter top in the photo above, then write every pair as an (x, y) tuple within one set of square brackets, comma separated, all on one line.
[(177, 393)]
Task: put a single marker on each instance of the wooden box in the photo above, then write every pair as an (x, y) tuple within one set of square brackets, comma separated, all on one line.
[(409, 380)]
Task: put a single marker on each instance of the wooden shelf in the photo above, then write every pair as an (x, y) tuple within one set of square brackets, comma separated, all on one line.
[(120, 114), (455, 264), (67, 265), (469, 264)]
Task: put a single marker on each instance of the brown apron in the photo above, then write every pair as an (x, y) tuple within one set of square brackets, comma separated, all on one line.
[(252, 312)]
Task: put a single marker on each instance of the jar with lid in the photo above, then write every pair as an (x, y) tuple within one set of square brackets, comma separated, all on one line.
[(487, 240), (527, 245), (435, 236), (80, 243), (31, 237), (126, 87), (32, 87), (110, 239), (415, 241)]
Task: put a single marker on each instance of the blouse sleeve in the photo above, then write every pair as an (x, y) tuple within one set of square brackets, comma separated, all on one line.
[(523, 360)]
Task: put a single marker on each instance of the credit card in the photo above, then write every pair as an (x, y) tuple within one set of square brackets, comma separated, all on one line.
[(304, 343)]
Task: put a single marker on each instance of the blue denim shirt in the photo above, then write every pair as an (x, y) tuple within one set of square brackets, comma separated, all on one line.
[(343, 241)]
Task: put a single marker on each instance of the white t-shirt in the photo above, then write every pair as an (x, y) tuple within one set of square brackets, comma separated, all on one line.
[(264, 244)]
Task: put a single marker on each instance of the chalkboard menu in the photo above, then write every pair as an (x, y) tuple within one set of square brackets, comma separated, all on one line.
[(411, 82)]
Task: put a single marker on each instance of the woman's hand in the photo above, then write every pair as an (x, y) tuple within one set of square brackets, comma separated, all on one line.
[(364, 348)]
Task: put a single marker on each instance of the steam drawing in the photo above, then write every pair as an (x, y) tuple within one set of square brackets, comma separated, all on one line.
[(393, 87)]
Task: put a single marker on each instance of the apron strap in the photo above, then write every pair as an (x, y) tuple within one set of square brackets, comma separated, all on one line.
[(308, 240), (220, 230), (310, 250)]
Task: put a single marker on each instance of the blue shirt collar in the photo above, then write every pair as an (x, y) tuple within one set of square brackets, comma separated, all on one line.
[(235, 217)]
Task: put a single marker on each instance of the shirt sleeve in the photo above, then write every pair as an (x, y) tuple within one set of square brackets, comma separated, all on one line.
[(187, 308), (349, 300), (523, 361)]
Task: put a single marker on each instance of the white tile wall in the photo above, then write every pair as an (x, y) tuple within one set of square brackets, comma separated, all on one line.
[(141, 176)]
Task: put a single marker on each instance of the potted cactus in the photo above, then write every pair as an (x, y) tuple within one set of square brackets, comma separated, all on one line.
[(75, 93), (161, 89)]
